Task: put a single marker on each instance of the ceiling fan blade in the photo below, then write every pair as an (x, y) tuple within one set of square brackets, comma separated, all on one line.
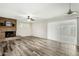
[(76, 12), (32, 19)]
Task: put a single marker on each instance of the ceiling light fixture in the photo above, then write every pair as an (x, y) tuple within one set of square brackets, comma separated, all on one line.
[(70, 10), (30, 19)]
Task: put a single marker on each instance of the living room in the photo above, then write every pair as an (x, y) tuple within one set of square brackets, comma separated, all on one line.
[(39, 29)]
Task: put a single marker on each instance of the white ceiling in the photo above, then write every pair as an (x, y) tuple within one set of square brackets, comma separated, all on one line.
[(39, 11)]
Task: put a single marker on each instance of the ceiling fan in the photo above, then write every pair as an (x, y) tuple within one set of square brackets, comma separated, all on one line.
[(70, 12), (30, 19)]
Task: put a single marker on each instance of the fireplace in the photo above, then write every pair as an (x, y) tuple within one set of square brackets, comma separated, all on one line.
[(10, 34)]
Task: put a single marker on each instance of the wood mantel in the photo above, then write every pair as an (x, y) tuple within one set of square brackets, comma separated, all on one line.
[(6, 28)]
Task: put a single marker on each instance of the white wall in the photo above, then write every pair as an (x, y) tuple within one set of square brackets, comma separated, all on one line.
[(39, 30), (78, 31), (23, 29), (63, 31)]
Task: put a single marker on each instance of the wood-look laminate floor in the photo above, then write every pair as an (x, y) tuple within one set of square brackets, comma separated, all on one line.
[(33, 46)]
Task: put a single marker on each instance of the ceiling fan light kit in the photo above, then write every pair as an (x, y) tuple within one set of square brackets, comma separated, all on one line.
[(28, 20)]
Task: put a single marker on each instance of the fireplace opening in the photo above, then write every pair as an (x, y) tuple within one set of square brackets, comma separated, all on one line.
[(10, 34)]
